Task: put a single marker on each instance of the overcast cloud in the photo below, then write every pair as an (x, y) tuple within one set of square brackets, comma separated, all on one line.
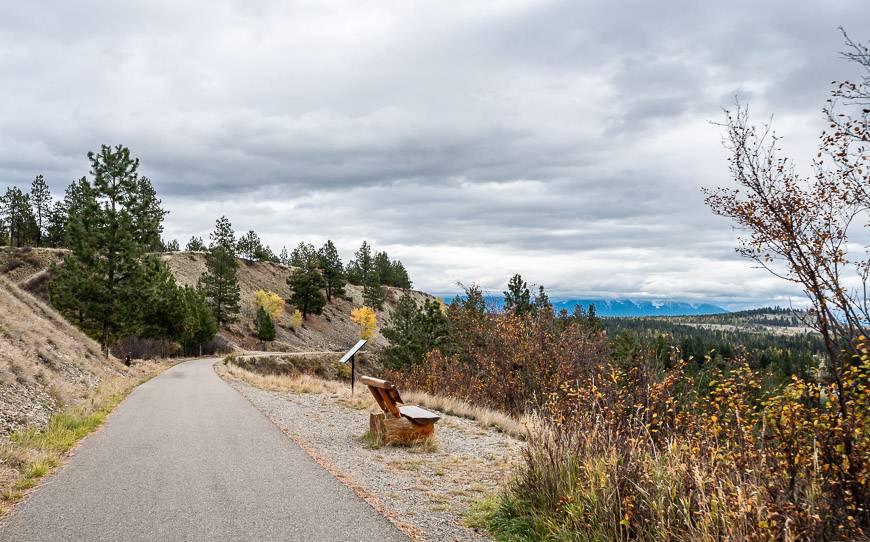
[(567, 141)]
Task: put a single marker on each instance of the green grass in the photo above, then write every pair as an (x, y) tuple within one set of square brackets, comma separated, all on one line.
[(64, 430), (369, 441)]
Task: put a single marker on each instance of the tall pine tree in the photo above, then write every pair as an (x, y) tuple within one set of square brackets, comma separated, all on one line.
[(218, 283), (333, 270), (518, 298), (307, 282), (40, 198), (112, 224)]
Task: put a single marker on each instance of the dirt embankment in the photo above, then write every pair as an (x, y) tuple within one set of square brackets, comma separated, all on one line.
[(45, 362)]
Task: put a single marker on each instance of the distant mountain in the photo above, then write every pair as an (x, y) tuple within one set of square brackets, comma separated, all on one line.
[(622, 307)]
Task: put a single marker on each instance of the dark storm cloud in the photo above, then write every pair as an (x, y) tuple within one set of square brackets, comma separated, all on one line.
[(564, 140)]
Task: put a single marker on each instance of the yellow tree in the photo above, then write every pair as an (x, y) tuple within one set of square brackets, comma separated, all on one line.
[(271, 303), (365, 318)]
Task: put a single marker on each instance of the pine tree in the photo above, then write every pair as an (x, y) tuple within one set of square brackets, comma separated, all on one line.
[(195, 245), (361, 271), (283, 257), (373, 293), (383, 269), (302, 255), (400, 276), (333, 270), (112, 224), (249, 246), (542, 301), (156, 309), (40, 198), (517, 298), (218, 283), (57, 220), (265, 325), (18, 216), (405, 348), (361, 266), (414, 332), (171, 246), (307, 283), (198, 325), (148, 215)]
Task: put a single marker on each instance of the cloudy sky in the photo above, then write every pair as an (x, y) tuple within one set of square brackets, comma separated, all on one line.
[(567, 141)]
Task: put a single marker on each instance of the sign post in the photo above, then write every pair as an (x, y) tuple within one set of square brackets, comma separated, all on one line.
[(350, 355)]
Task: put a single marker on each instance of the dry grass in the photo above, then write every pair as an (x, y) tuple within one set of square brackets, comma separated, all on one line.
[(362, 399), (45, 362)]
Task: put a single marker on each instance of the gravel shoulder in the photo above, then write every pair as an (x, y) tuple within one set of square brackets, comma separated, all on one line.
[(425, 492)]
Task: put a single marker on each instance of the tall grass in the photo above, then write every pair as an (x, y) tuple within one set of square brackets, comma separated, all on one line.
[(623, 458)]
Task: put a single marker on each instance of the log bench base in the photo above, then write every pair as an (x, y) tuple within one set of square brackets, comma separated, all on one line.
[(387, 431)]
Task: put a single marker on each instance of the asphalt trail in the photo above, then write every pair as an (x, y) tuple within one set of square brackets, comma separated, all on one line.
[(185, 457)]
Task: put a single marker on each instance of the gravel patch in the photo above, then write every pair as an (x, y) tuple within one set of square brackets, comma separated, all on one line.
[(428, 492)]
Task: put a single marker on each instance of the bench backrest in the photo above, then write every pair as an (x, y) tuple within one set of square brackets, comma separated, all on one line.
[(385, 393)]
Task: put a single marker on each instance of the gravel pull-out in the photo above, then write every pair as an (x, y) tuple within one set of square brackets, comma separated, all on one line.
[(427, 491)]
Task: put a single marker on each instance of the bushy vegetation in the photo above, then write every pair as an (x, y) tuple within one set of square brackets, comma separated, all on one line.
[(641, 441)]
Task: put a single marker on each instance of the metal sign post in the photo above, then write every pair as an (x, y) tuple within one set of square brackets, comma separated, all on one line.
[(350, 355)]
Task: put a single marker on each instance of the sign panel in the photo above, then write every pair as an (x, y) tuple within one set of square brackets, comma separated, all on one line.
[(353, 351)]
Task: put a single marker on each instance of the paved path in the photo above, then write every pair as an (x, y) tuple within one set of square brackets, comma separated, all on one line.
[(185, 457)]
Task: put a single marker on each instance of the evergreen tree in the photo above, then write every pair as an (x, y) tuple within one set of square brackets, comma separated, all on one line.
[(307, 282), (112, 224), (593, 323), (264, 254), (249, 246), (40, 198), (361, 271), (414, 332), (517, 298), (542, 301), (383, 269), (18, 216), (361, 266), (265, 325), (283, 257), (218, 283), (171, 246), (302, 255), (195, 245), (405, 348), (333, 270), (399, 275), (57, 219), (198, 325), (373, 293), (148, 216), (156, 309)]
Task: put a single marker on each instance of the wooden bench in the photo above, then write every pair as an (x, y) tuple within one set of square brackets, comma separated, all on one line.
[(405, 424)]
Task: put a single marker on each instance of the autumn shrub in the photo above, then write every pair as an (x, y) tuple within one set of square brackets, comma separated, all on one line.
[(509, 362), (650, 454)]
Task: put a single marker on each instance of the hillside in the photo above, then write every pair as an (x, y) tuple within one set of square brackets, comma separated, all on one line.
[(330, 331), (45, 362)]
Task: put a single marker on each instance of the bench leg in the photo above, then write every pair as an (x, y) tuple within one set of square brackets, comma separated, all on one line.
[(388, 431)]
